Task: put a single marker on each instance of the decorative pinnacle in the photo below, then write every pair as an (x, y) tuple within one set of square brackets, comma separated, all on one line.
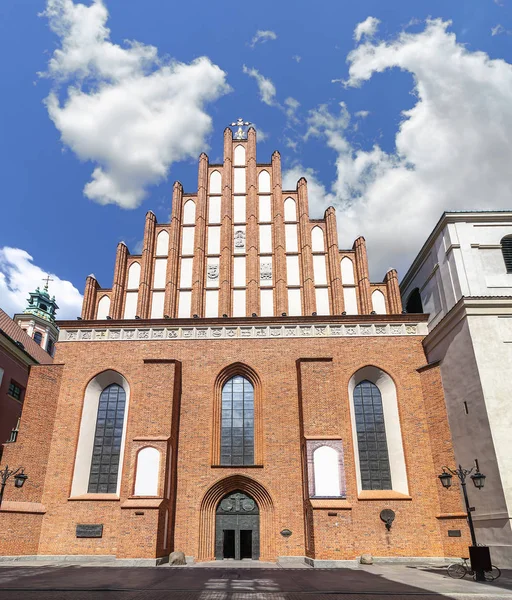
[(240, 123), (47, 280)]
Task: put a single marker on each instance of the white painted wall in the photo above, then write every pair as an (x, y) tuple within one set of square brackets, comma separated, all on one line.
[(215, 182), (133, 276), (147, 473), (290, 210), (265, 209), (294, 303), (162, 243), (317, 239), (350, 298), (327, 473), (184, 305), (267, 303), (265, 238), (213, 240), (159, 275), (322, 301), (186, 272), (103, 308), (319, 269), (379, 302), (212, 303), (264, 182), (239, 303), (187, 241), (214, 209), (157, 305), (239, 156), (292, 270), (239, 276), (189, 213), (239, 209), (130, 305), (347, 271), (239, 180), (291, 238)]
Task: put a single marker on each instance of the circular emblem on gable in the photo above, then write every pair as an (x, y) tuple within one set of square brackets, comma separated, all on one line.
[(226, 504), (248, 504)]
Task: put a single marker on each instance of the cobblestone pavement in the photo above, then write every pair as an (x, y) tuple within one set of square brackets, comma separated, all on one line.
[(390, 582)]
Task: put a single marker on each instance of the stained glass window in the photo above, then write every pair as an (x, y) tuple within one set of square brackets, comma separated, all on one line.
[(107, 441), (371, 437), (237, 426)]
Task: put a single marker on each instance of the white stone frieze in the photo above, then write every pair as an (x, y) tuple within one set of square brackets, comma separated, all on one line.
[(325, 330)]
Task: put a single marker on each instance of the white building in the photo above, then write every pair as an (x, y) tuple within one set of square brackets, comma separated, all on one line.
[(462, 277)]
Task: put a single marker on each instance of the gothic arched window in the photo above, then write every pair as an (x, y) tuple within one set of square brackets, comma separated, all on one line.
[(371, 437), (107, 441), (237, 422), (506, 249)]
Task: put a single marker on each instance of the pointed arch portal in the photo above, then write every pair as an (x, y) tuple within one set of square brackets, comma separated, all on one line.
[(236, 504), (237, 527)]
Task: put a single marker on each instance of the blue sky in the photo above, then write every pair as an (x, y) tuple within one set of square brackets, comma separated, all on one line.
[(65, 78)]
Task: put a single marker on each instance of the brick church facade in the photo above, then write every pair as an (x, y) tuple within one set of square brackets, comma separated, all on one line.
[(242, 391)]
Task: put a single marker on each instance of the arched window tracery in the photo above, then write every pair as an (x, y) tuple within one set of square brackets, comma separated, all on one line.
[(371, 437), (107, 440), (237, 422)]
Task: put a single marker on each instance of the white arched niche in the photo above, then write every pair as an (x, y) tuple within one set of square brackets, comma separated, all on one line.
[(290, 210), (103, 308), (85, 444), (147, 474), (317, 239), (239, 156), (133, 276), (162, 243), (347, 271), (215, 183), (379, 302), (264, 182), (392, 423), (327, 473), (189, 213)]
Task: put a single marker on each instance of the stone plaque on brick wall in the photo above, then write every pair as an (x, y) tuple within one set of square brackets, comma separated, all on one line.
[(89, 531), (454, 533)]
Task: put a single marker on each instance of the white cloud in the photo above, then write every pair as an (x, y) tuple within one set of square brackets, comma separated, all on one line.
[(263, 36), (366, 28), (297, 58), (266, 88), (453, 148), (125, 109), (499, 29), (19, 276), (291, 105), (362, 114)]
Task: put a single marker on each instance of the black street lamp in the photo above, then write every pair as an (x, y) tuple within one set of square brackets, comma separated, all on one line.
[(19, 479), (479, 481)]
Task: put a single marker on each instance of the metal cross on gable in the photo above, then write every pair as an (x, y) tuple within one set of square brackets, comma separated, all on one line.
[(47, 281), (240, 123)]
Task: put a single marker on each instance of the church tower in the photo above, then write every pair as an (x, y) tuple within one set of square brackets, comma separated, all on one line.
[(38, 318)]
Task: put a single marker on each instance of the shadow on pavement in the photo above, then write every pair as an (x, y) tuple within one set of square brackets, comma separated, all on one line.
[(184, 583), (503, 582)]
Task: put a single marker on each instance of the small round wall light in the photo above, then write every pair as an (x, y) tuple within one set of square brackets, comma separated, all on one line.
[(286, 533)]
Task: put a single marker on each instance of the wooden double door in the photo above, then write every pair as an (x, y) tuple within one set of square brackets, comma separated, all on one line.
[(237, 528)]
